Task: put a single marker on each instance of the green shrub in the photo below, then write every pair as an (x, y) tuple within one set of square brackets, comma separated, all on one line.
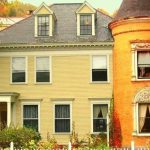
[(20, 136)]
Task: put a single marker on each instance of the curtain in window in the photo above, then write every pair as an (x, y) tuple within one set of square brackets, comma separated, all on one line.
[(100, 117), (144, 58), (142, 115), (30, 116), (62, 118), (99, 62), (18, 64), (42, 63)]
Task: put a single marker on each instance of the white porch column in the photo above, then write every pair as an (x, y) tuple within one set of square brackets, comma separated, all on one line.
[(8, 113)]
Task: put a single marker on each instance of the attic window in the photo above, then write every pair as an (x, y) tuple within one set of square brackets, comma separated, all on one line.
[(43, 25), (86, 24)]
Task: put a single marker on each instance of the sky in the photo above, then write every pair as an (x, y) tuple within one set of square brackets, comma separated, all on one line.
[(108, 5)]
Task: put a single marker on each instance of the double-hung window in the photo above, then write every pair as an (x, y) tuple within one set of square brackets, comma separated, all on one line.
[(30, 116), (99, 68), (42, 69), (62, 118), (144, 117), (86, 24), (143, 64), (43, 25), (100, 117), (18, 70)]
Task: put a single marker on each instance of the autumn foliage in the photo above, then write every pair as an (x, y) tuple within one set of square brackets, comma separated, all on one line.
[(14, 8)]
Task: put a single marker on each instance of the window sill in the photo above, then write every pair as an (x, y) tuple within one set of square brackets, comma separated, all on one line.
[(100, 82), (97, 133), (141, 134), (43, 83), (20, 83), (62, 133), (139, 80)]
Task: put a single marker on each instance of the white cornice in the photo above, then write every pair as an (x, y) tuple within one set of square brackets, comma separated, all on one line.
[(56, 45)]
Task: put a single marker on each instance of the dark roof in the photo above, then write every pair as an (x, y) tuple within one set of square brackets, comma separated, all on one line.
[(65, 28), (133, 8)]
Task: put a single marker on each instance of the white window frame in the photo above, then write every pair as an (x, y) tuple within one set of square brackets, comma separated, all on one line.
[(31, 103), (108, 68), (100, 102), (36, 25), (93, 24), (26, 69), (62, 103), (50, 70), (134, 76)]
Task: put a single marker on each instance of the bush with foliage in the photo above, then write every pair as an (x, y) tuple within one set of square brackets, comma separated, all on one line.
[(20, 136)]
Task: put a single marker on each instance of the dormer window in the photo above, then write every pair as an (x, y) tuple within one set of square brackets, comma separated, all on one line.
[(44, 21), (43, 25), (85, 20), (86, 24)]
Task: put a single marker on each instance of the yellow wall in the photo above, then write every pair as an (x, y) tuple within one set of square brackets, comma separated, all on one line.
[(70, 79), (124, 89), (43, 11), (85, 9)]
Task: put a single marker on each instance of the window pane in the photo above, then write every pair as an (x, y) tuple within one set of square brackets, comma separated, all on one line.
[(62, 111), (143, 65), (62, 125), (85, 24), (43, 25), (30, 111), (144, 118), (18, 69), (31, 124), (99, 117), (42, 69), (30, 116), (18, 77), (99, 75), (99, 62), (62, 118)]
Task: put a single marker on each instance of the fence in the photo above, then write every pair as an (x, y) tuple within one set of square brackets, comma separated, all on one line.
[(70, 147)]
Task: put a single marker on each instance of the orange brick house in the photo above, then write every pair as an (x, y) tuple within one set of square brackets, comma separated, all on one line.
[(131, 70)]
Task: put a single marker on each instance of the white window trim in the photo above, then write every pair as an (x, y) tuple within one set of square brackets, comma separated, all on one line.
[(26, 70), (108, 69), (50, 67), (136, 122), (62, 103), (98, 102), (134, 76), (93, 24), (31, 103), (36, 25)]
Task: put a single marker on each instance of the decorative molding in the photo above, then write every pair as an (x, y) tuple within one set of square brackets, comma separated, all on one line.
[(141, 45), (143, 96), (56, 45)]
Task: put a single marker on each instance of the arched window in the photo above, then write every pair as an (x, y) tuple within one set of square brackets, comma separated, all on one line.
[(142, 111)]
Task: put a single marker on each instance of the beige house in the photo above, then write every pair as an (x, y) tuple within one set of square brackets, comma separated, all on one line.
[(57, 69)]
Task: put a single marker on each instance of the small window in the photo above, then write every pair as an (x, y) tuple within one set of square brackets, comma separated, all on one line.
[(43, 25), (62, 118), (144, 118), (18, 70), (99, 68), (143, 64), (86, 24), (100, 117), (30, 116), (42, 69)]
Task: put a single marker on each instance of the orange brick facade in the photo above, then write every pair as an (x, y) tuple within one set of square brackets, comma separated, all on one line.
[(125, 89)]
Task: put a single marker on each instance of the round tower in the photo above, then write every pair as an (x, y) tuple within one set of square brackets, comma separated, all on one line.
[(131, 71)]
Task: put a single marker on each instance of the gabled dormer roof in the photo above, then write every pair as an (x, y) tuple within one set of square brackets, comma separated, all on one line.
[(133, 9), (43, 8), (85, 7)]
